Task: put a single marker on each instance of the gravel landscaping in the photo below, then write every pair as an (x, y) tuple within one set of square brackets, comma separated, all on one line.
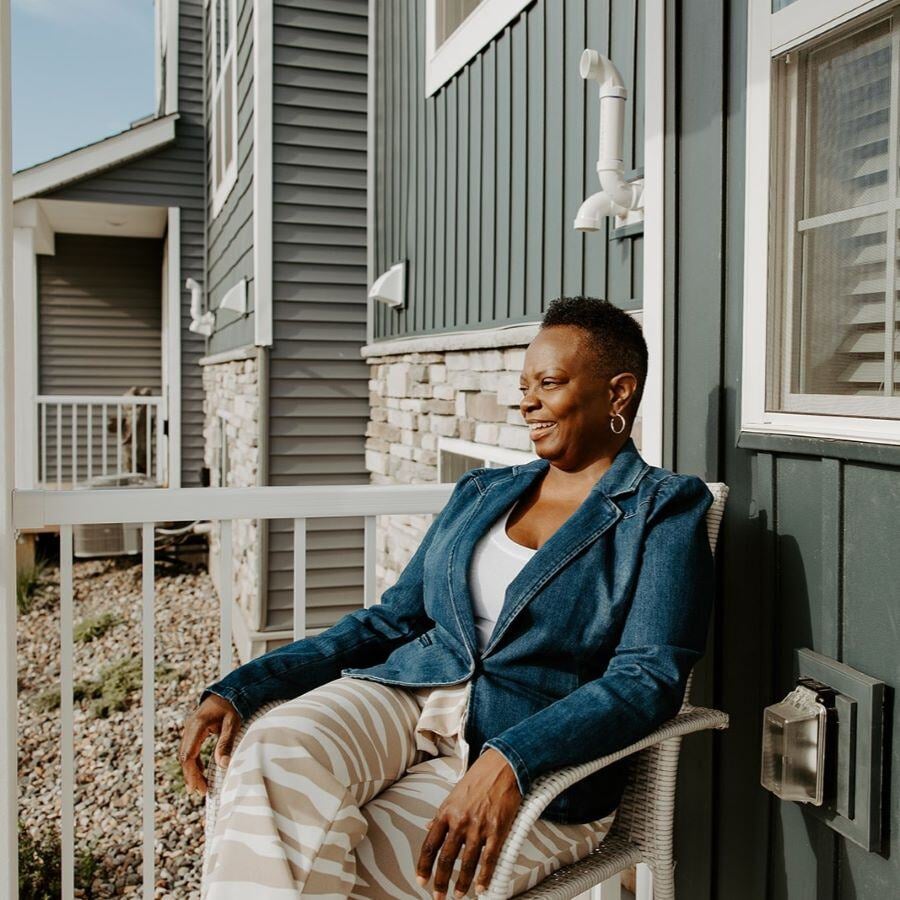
[(108, 724)]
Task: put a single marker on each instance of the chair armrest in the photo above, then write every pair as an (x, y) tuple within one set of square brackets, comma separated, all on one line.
[(551, 784)]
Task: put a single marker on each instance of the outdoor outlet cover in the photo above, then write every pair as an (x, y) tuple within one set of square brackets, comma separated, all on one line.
[(854, 806)]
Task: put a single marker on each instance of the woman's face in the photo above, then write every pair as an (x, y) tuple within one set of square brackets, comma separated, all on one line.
[(565, 403)]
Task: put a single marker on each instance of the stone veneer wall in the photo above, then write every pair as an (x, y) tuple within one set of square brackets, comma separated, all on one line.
[(414, 399), (231, 394)]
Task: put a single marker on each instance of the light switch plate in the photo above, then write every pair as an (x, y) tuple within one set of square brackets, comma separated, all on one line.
[(856, 810)]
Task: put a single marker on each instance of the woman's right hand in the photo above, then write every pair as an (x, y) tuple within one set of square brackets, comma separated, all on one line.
[(215, 715)]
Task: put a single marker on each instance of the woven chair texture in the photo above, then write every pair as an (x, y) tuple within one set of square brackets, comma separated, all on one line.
[(643, 828)]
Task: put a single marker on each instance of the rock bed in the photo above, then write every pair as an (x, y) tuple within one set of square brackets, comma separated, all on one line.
[(108, 803)]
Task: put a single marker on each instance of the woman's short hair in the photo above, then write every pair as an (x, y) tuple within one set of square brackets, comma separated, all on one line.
[(611, 334)]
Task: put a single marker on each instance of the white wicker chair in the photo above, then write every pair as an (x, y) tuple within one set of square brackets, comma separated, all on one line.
[(642, 831)]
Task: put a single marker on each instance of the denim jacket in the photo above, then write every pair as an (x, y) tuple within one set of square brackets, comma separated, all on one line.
[(591, 649)]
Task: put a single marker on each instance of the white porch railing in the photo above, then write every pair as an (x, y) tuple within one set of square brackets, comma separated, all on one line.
[(37, 509), (84, 436)]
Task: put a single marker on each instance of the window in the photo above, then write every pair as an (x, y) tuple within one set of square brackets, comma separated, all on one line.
[(821, 344), (223, 44), (456, 456), (455, 30)]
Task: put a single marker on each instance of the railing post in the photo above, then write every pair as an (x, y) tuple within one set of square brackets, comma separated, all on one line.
[(9, 871)]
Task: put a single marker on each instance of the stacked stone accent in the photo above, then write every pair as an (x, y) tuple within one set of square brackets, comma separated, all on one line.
[(414, 399), (231, 394)]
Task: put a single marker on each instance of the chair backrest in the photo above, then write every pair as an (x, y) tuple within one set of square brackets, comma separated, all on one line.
[(714, 515), (645, 811)]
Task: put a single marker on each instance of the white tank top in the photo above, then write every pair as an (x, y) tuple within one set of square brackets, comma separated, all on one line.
[(496, 561)]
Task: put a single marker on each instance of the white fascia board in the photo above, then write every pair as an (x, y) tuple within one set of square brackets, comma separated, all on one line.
[(105, 154), (262, 172)]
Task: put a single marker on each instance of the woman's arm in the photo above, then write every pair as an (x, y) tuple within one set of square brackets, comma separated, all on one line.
[(663, 636), (361, 638)]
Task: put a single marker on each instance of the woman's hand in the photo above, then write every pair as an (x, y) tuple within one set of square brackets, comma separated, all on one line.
[(215, 715), (477, 813)]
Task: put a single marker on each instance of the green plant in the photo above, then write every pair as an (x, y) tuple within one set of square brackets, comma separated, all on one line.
[(40, 866), (46, 701), (115, 683), (27, 580), (95, 626)]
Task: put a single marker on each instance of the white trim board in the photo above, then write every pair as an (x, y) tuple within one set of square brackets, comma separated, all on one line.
[(755, 418), (262, 172), (652, 319), (476, 31), (172, 349), (94, 158)]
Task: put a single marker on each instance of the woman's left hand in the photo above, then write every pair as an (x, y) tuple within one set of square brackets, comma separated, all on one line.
[(476, 815)]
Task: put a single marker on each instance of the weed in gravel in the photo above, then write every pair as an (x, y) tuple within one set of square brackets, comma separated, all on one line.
[(95, 626), (40, 866), (110, 691), (27, 580), (46, 701)]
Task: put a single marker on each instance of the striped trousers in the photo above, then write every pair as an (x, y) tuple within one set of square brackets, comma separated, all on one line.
[(330, 795)]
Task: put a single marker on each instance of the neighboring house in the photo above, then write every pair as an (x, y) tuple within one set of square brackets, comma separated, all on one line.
[(456, 142)]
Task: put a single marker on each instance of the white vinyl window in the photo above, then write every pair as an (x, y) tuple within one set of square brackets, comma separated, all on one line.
[(455, 30), (821, 344), (224, 100)]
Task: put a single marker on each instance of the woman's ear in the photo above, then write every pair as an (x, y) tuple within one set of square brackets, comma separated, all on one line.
[(622, 388)]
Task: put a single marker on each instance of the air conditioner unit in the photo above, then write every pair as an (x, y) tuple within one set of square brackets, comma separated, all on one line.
[(116, 539)]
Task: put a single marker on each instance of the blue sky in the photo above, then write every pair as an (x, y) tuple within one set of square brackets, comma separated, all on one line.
[(81, 70)]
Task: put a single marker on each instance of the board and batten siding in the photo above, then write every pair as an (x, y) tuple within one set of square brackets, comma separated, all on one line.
[(318, 384), (808, 549), (173, 176), (230, 251), (478, 185)]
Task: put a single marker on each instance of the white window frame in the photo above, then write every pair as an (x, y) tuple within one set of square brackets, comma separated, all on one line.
[(221, 191), (771, 34), (488, 453), (478, 29)]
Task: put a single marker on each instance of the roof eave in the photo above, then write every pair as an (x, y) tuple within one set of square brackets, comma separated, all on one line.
[(94, 158)]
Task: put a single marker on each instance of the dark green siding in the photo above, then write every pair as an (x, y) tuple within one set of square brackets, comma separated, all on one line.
[(477, 186), (808, 551)]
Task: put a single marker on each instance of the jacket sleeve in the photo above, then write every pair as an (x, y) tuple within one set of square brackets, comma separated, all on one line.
[(663, 636), (363, 637)]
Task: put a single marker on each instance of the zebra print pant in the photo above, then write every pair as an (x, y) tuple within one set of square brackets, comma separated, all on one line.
[(330, 795)]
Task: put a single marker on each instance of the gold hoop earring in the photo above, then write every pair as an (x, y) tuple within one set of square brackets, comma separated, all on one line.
[(612, 427)]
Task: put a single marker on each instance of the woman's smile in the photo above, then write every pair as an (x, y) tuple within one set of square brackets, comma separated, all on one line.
[(540, 429)]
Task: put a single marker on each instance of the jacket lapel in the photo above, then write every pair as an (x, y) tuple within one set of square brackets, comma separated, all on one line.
[(594, 516)]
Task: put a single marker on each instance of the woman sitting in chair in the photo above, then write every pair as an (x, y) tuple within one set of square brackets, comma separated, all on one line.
[(551, 615)]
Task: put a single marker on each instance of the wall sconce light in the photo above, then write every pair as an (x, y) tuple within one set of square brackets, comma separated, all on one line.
[(822, 746)]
